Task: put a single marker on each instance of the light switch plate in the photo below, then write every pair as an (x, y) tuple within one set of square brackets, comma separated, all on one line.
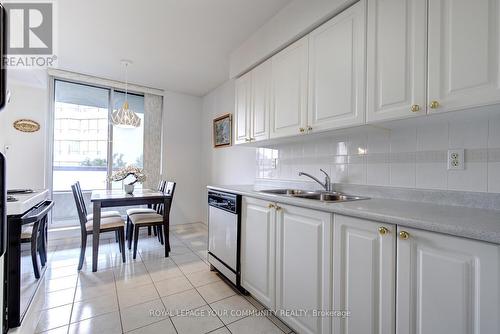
[(456, 159)]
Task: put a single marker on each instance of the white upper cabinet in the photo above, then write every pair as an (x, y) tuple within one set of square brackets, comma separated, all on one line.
[(261, 101), (364, 266), (243, 108), (446, 284), (258, 236), (463, 54), (303, 266), (396, 59), (337, 71), (289, 90)]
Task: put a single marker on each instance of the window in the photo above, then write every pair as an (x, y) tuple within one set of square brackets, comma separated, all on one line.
[(86, 147)]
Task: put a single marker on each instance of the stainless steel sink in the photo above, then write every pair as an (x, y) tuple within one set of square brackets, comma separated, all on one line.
[(322, 196)]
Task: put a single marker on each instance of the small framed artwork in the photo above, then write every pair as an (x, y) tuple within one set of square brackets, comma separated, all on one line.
[(222, 131)]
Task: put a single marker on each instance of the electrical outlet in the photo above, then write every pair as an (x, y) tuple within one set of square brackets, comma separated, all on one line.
[(456, 159)]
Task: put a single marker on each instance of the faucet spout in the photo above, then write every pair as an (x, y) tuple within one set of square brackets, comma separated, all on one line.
[(327, 185)]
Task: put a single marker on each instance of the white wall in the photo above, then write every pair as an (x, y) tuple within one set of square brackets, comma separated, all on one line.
[(291, 22), (26, 153), (227, 165), (181, 160)]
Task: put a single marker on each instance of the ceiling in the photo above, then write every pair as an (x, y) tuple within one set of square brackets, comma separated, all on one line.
[(177, 45)]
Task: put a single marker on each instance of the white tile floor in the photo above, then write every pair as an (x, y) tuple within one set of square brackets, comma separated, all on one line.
[(151, 294)]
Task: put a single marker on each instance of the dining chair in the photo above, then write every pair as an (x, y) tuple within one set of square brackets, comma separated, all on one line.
[(35, 234), (108, 222), (153, 219), (134, 211), (34, 230), (104, 214)]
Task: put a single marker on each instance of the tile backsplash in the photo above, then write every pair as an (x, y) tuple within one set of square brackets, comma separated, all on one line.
[(410, 155)]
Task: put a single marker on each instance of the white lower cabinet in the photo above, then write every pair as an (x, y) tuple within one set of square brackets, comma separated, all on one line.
[(364, 265), (390, 279), (446, 284), (258, 224), (303, 266)]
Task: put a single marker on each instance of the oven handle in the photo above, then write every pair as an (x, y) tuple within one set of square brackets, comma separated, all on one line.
[(28, 218)]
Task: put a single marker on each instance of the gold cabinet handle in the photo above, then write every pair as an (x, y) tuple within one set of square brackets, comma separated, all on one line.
[(271, 206), (403, 235), (383, 230), (278, 208), (309, 128), (302, 130), (434, 105), (415, 108), (247, 140)]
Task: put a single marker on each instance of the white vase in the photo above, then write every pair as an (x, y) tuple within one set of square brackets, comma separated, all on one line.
[(129, 188)]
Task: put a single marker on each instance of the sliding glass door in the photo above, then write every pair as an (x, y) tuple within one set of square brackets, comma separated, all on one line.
[(87, 148)]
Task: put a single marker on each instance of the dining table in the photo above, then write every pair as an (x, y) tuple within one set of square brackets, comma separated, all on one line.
[(118, 198)]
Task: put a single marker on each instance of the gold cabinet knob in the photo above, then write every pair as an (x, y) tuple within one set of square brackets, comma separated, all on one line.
[(434, 104), (309, 128), (383, 230), (278, 208), (247, 140), (270, 206), (415, 108), (403, 235), (302, 130)]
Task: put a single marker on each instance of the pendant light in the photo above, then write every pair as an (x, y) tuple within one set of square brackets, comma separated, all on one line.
[(124, 117)]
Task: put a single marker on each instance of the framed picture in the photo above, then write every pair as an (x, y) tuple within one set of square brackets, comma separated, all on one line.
[(222, 131)]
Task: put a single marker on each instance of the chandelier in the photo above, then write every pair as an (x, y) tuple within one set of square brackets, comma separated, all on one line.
[(124, 117)]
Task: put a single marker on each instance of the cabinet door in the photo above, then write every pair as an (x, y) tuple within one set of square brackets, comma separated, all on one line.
[(258, 250), (303, 280), (289, 90), (396, 59), (464, 53), (364, 267), (243, 98), (261, 101), (446, 284), (337, 71)]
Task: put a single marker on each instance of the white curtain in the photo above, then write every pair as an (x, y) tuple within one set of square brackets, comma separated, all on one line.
[(153, 107)]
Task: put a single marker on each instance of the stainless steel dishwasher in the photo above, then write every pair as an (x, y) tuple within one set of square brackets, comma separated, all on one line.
[(224, 221)]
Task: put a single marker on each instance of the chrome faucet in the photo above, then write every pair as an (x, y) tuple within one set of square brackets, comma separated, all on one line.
[(327, 185)]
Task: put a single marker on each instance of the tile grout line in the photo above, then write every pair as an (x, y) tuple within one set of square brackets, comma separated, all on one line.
[(158, 292)]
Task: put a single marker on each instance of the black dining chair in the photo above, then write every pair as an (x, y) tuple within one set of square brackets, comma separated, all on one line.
[(109, 223), (135, 211), (34, 230), (154, 220)]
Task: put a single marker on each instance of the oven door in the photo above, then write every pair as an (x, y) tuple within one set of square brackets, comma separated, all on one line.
[(223, 236)]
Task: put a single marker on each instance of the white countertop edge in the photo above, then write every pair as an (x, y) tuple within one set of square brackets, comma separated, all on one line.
[(478, 224), (26, 201)]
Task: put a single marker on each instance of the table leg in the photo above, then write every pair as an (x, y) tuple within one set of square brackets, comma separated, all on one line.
[(166, 225), (95, 234)]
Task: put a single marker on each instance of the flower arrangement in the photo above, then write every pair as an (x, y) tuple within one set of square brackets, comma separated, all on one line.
[(123, 173)]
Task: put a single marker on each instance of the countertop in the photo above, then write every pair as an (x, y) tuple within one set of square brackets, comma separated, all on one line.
[(26, 201), (479, 224)]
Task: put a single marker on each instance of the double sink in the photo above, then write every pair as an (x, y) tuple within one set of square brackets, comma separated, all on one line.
[(323, 196)]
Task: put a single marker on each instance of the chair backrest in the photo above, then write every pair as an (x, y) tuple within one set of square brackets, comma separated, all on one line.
[(160, 188), (161, 185), (82, 199), (169, 190), (80, 204)]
